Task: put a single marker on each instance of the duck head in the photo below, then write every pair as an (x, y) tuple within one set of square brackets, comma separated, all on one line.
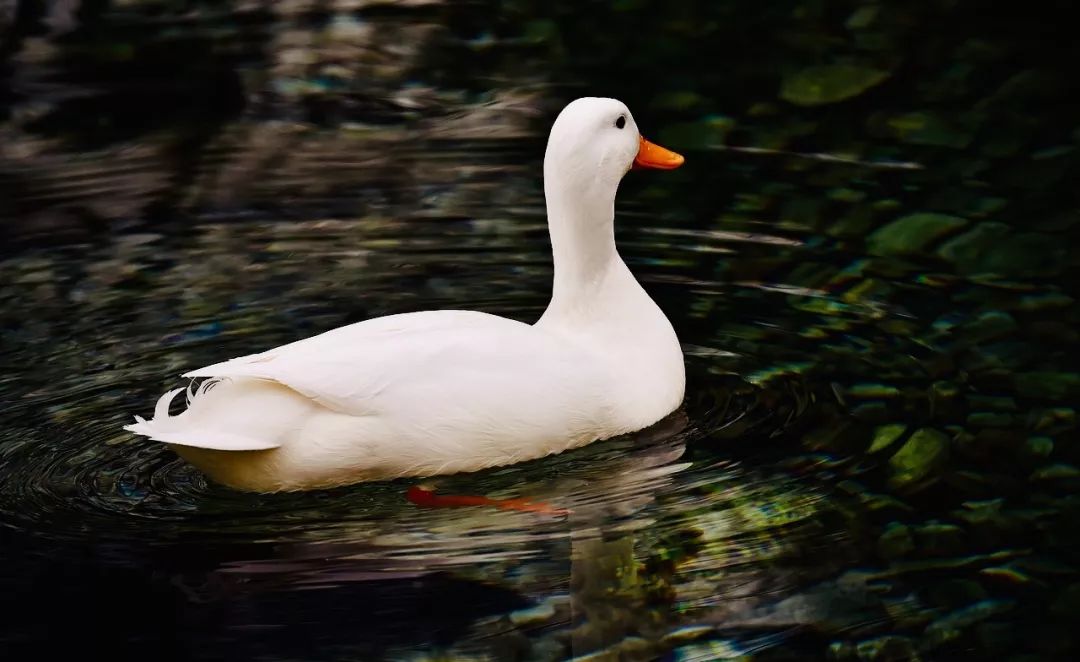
[(594, 142)]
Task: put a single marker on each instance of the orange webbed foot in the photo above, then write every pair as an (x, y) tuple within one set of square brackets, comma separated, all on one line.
[(427, 498)]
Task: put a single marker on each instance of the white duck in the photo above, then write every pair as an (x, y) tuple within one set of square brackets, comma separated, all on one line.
[(438, 392)]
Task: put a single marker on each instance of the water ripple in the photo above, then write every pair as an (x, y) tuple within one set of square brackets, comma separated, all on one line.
[(114, 323)]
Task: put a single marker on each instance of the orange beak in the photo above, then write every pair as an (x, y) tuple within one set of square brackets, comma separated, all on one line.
[(655, 156)]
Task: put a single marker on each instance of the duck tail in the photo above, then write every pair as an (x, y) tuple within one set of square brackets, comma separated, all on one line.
[(201, 424), (161, 420)]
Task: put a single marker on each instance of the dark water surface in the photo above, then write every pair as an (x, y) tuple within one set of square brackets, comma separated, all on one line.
[(868, 258)]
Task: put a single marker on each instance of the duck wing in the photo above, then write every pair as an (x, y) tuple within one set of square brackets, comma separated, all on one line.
[(463, 363)]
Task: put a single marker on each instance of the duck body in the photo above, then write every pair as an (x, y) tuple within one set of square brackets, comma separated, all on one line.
[(438, 392)]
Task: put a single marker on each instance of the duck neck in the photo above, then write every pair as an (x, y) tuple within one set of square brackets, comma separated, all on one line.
[(581, 222)]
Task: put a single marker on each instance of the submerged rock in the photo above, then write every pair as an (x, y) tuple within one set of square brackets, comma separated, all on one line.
[(830, 83), (896, 541), (863, 17), (1009, 576), (918, 459), (871, 412), (842, 650), (533, 615), (912, 234), (1056, 419), (990, 419), (945, 399), (709, 650), (936, 539), (990, 325), (688, 633), (872, 391), (1051, 385), (1045, 301), (1058, 471), (892, 648), (993, 248), (949, 626), (922, 128), (967, 249), (886, 435), (1039, 446)]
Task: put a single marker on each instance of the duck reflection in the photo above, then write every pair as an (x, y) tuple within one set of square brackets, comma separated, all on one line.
[(641, 533)]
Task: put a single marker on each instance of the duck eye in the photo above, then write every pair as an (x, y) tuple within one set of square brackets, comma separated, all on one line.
[(621, 122)]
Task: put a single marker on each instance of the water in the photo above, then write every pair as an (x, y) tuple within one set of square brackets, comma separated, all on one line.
[(877, 456)]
